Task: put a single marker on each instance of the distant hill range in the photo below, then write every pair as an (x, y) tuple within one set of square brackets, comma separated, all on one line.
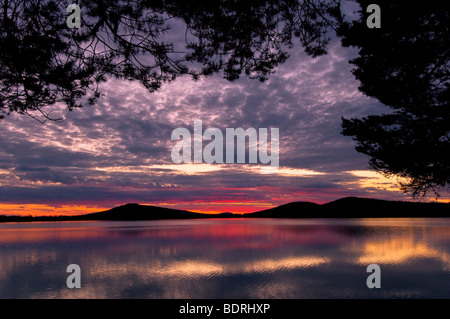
[(354, 207), (349, 207)]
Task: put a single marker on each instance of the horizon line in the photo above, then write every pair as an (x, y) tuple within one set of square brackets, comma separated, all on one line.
[(218, 213)]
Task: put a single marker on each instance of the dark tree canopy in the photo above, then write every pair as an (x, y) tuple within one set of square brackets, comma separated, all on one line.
[(43, 62), (405, 64)]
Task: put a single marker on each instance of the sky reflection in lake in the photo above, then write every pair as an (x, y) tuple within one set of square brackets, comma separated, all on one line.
[(232, 258)]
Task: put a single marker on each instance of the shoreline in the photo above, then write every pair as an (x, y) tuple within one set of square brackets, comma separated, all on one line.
[(348, 207)]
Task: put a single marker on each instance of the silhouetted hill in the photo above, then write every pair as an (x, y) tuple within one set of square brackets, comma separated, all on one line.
[(291, 210), (354, 207), (124, 212), (368, 207), (142, 212)]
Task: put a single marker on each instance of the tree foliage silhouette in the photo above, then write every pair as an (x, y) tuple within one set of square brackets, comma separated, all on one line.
[(405, 65), (43, 62)]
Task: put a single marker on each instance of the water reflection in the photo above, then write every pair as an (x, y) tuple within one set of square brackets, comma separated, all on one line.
[(401, 247), (233, 258)]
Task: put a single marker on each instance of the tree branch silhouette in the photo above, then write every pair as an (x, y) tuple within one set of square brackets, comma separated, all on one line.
[(43, 62)]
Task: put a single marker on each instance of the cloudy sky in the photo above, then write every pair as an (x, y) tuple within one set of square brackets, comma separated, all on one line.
[(119, 151)]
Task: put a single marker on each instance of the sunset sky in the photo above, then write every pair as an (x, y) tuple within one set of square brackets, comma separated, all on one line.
[(119, 151)]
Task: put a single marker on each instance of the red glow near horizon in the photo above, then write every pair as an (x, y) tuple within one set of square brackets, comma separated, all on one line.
[(69, 209), (244, 200), (238, 205)]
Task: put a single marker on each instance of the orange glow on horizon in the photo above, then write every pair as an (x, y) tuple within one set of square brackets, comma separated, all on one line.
[(48, 210), (36, 210)]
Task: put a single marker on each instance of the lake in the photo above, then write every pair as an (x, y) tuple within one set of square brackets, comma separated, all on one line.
[(227, 258)]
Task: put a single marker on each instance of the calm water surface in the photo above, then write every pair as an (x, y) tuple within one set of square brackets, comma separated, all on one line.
[(227, 258)]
